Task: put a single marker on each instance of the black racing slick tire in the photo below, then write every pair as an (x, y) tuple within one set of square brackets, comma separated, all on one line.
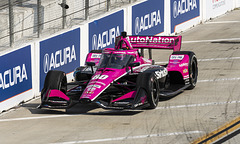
[(193, 71), (149, 82), (192, 67), (55, 80)]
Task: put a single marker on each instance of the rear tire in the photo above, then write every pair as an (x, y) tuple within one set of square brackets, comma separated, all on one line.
[(149, 83), (193, 71)]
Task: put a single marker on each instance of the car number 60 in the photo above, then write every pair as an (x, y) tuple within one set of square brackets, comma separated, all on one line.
[(102, 77)]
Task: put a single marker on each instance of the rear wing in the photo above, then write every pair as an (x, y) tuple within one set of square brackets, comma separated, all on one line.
[(156, 42)]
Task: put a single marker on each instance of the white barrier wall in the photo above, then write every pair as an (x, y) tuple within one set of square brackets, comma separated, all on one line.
[(23, 70), (214, 8), (237, 3), (16, 77)]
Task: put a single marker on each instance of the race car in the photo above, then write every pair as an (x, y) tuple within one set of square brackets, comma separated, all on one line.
[(121, 78)]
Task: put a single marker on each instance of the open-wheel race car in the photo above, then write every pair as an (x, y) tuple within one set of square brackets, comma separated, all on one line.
[(121, 78)]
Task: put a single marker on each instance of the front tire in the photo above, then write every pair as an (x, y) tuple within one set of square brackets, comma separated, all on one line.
[(55, 80), (149, 83)]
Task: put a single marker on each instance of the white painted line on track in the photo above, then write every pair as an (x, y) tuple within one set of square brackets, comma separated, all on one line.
[(215, 40), (222, 79), (34, 118), (205, 60), (222, 22), (198, 105), (218, 59), (130, 137)]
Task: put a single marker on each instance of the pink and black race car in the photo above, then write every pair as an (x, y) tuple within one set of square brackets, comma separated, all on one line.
[(121, 78)]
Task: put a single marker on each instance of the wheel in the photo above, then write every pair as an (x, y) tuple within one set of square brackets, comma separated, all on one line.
[(149, 83), (192, 68), (193, 71), (55, 80)]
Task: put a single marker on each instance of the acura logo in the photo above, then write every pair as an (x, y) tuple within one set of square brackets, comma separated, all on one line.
[(46, 63), (175, 9), (94, 42), (137, 27)]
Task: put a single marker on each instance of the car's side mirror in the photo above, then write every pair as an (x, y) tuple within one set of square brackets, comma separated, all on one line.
[(133, 64), (91, 64)]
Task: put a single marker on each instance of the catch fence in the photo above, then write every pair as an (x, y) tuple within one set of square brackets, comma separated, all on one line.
[(29, 19)]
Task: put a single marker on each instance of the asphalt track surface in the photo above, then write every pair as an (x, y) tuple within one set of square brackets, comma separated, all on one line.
[(211, 109)]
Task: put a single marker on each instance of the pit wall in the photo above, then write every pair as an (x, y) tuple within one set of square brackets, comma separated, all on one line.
[(23, 69)]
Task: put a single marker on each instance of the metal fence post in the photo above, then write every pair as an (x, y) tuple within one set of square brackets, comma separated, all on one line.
[(86, 9), (108, 5), (11, 22), (63, 14), (39, 22)]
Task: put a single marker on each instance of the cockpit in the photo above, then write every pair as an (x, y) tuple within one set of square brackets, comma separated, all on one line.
[(115, 60)]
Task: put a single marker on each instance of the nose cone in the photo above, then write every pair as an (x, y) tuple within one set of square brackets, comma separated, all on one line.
[(100, 82)]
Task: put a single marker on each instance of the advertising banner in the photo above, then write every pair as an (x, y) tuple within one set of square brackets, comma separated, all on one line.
[(215, 8), (183, 11), (148, 18), (102, 32), (61, 52), (15, 73)]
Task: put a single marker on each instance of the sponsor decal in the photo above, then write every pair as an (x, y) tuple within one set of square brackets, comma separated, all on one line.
[(90, 90), (218, 3), (96, 55), (121, 103), (138, 104), (116, 52), (175, 62), (96, 86), (187, 81), (132, 52), (186, 76), (93, 82), (183, 6), (150, 39), (161, 73), (148, 17), (185, 70), (176, 57), (141, 68), (183, 65)]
